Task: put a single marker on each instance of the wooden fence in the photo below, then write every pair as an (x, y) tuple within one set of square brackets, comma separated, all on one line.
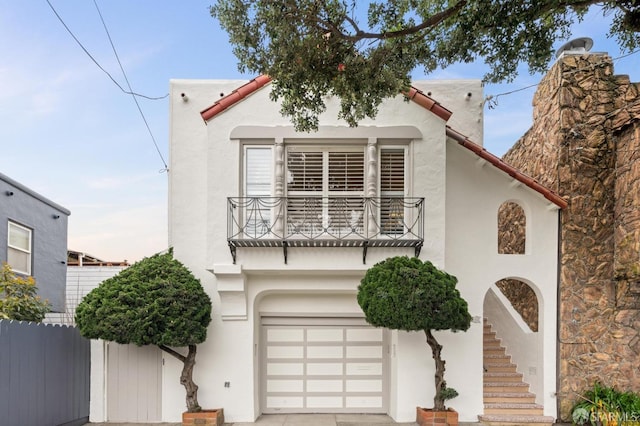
[(44, 375)]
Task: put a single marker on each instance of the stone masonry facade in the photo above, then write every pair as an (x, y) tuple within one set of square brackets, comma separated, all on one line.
[(585, 145)]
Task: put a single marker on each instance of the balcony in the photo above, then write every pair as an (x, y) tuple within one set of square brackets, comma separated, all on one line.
[(325, 222)]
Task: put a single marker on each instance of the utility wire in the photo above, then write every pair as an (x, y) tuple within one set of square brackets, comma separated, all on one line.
[(493, 99), (166, 168), (96, 62)]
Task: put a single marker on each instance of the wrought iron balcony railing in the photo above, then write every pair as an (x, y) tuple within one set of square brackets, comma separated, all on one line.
[(325, 222)]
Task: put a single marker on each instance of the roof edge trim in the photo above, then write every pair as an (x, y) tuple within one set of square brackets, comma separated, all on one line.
[(414, 94), (235, 96), (510, 170)]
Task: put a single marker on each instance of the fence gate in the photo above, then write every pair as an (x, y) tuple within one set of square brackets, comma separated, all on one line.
[(134, 383)]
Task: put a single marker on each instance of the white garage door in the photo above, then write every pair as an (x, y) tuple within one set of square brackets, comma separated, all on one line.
[(323, 365)]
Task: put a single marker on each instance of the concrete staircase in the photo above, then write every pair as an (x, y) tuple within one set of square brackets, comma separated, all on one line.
[(507, 400)]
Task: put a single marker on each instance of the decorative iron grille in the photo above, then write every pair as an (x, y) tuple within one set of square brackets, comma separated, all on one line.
[(325, 222)]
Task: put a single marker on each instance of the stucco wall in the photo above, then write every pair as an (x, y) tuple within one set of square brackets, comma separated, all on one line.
[(48, 222), (461, 200), (475, 192)]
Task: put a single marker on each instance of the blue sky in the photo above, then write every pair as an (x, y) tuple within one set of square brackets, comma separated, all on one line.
[(68, 132)]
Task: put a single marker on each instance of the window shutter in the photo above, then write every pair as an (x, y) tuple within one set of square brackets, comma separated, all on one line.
[(392, 190), (304, 171), (258, 172), (346, 171), (392, 171)]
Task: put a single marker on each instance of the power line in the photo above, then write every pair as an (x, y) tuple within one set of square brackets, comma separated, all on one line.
[(115, 52), (96, 62), (493, 99)]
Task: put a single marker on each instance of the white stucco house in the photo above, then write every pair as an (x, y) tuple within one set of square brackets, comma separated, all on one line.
[(280, 227)]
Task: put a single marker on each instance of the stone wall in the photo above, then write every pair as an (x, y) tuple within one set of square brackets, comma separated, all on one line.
[(583, 144)]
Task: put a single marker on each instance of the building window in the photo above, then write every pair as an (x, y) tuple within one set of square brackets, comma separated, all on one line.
[(325, 189), (258, 183), (392, 190), (19, 248)]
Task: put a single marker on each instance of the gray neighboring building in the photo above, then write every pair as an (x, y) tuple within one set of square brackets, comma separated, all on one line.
[(33, 239)]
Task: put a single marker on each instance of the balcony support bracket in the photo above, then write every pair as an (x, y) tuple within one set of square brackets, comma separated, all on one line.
[(232, 248), (418, 248), (285, 245), (364, 252)]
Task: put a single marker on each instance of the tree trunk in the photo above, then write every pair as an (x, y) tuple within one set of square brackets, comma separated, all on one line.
[(186, 377), (436, 348)]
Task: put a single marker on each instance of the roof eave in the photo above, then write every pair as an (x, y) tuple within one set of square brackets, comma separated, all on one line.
[(510, 170)]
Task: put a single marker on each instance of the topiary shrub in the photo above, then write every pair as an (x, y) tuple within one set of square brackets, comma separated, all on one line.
[(156, 301), (403, 293)]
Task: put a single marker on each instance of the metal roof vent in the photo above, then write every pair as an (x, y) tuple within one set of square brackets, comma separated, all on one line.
[(575, 47)]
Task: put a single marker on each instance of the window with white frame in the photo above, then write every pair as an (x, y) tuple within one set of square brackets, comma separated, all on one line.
[(325, 188), (258, 184), (392, 189), (19, 248)]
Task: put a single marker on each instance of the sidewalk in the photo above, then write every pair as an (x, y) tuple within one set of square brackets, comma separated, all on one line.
[(297, 420), (301, 420), (323, 420)]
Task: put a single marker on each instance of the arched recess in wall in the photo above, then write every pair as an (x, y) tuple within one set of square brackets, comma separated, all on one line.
[(512, 228), (523, 299), (511, 338)]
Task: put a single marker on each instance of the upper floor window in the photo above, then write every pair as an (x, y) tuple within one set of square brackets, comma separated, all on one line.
[(325, 189), (258, 178), (316, 171), (392, 190), (258, 173), (19, 248)]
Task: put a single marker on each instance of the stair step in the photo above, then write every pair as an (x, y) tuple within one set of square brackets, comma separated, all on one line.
[(494, 351), (515, 420), (513, 408), (509, 397), (504, 367), (497, 358), (503, 377), (510, 387)]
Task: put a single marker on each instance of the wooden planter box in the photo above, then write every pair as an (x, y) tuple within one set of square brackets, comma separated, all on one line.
[(204, 417), (429, 417)]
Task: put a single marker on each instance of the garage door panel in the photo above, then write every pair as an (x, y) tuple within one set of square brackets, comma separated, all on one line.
[(285, 352), (285, 385), (364, 335), (285, 335), (364, 352), (318, 368), (279, 402), (325, 335), (364, 368), (285, 369), (330, 402), (325, 385), (361, 386), (326, 369), (330, 352), (363, 402)]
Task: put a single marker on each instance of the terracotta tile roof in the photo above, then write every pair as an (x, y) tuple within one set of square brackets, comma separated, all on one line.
[(510, 170), (247, 89), (428, 103), (236, 96)]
